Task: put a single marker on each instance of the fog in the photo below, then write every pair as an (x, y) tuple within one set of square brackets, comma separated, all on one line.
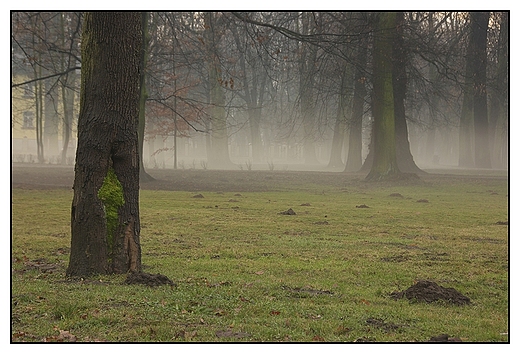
[(280, 90)]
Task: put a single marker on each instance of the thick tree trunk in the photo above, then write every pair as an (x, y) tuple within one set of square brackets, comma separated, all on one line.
[(107, 138), (384, 165)]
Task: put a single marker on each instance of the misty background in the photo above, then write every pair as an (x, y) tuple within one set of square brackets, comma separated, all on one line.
[(264, 90)]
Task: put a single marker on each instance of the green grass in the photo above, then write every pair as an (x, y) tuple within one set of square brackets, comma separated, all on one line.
[(242, 267)]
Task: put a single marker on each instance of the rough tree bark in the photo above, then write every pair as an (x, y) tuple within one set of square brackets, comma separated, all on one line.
[(107, 141)]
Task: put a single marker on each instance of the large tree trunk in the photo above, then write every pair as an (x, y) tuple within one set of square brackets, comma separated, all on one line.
[(384, 165), (107, 141), (479, 25)]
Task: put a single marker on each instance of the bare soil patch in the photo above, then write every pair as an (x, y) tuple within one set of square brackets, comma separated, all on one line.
[(148, 279), (428, 291)]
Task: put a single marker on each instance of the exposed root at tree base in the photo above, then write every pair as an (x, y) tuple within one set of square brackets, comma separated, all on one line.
[(148, 279)]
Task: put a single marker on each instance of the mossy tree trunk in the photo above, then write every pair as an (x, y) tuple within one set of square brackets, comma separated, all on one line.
[(384, 165), (107, 139)]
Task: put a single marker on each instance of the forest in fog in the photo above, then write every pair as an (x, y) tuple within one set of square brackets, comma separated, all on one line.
[(279, 90)]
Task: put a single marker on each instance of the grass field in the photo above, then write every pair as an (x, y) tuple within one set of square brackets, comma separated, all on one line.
[(245, 272)]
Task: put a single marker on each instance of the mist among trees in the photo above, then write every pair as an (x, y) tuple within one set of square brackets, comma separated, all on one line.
[(343, 91)]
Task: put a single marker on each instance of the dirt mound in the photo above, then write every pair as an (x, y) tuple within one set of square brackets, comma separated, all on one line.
[(288, 212), (428, 291), (148, 279)]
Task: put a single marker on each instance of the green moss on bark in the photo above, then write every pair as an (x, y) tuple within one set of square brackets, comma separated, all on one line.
[(111, 194)]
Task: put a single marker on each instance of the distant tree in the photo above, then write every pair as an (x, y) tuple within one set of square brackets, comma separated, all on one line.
[(466, 156), (479, 26), (107, 154), (70, 25), (251, 81), (404, 156), (307, 68), (498, 111), (340, 125), (143, 175), (45, 50), (218, 151), (354, 158)]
